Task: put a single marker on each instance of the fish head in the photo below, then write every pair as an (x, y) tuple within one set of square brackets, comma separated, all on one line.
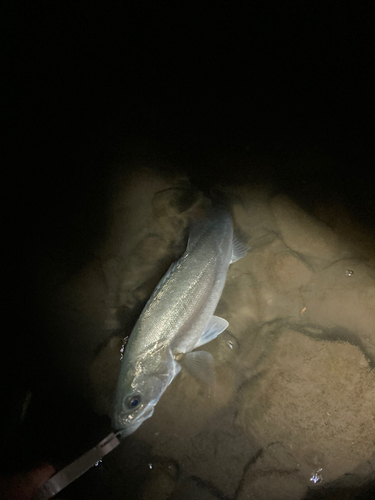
[(140, 388)]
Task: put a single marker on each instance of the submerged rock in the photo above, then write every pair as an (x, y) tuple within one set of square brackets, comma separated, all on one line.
[(318, 399), (294, 370), (304, 234), (335, 298)]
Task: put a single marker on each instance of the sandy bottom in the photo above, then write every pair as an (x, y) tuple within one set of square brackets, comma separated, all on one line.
[(292, 412)]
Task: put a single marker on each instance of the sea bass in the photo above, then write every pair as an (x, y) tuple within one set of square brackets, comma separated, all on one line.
[(178, 318)]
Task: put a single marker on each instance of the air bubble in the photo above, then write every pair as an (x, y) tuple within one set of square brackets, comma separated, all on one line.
[(123, 348), (349, 272), (317, 477)]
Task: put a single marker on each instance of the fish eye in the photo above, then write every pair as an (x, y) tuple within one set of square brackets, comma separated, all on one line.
[(132, 402)]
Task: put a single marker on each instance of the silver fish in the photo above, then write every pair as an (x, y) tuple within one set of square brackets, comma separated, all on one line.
[(178, 318)]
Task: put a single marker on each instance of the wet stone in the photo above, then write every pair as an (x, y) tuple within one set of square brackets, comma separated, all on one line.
[(161, 482), (195, 489), (324, 425), (272, 486), (304, 234), (347, 301)]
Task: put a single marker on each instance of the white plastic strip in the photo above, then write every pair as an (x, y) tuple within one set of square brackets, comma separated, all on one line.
[(73, 471)]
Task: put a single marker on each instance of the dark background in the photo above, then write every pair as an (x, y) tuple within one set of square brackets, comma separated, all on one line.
[(225, 91), (207, 87)]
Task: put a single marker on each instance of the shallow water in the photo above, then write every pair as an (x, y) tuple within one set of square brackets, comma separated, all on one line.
[(120, 123), (291, 414)]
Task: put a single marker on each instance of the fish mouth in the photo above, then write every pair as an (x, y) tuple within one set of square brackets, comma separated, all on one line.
[(133, 426), (148, 413)]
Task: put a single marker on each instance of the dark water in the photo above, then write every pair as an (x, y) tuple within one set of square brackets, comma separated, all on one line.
[(280, 95)]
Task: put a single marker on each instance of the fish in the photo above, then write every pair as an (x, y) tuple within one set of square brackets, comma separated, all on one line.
[(177, 319)]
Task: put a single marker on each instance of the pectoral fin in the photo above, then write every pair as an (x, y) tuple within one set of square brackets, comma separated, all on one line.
[(200, 365), (214, 327)]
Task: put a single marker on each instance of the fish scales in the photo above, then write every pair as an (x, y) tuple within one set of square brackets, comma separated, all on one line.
[(178, 316), (184, 298)]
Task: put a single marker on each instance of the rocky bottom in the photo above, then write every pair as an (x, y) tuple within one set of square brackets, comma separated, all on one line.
[(292, 411)]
